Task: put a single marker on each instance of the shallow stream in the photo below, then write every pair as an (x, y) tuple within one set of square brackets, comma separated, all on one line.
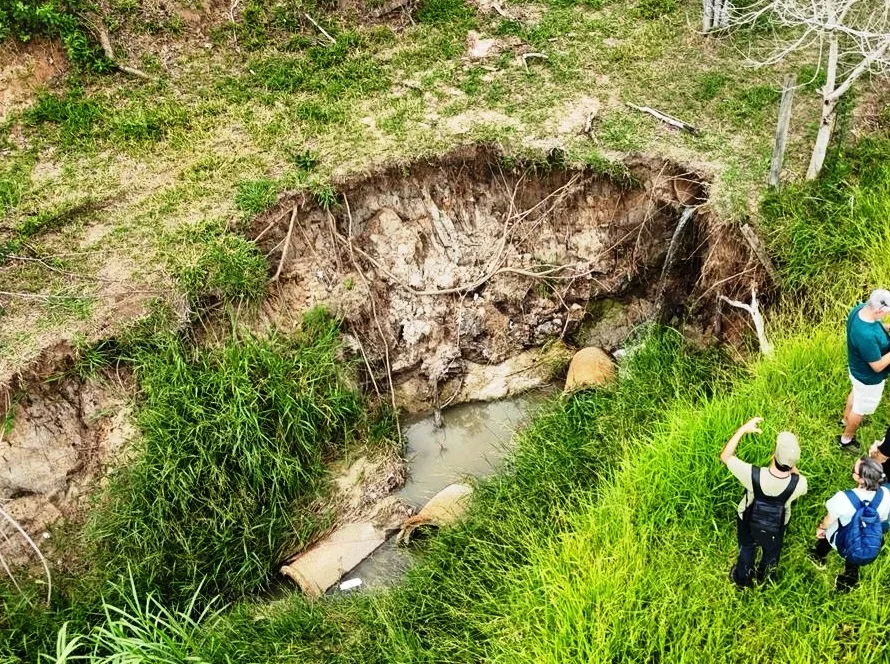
[(474, 439)]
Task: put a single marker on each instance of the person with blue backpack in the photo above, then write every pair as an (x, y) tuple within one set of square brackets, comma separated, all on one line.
[(855, 523)]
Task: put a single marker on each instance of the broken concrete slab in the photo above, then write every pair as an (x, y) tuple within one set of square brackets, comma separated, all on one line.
[(324, 564), (443, 509)]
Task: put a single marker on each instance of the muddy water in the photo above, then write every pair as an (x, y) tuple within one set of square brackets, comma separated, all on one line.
[(473, 441)]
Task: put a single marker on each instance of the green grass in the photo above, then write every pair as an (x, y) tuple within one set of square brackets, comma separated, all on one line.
[(215, 264), (233, 451)]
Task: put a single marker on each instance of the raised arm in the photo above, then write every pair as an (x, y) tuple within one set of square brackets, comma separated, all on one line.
[(751, 426)]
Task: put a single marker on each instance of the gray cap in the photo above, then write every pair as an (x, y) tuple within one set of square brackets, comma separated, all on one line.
[(787, 449)]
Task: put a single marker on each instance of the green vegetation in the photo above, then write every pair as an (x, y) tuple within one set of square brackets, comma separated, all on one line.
[(232, 453), (609, 535), (80, 121), (59, 19)]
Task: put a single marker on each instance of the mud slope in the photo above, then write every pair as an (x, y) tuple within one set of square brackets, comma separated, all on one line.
[(448, 267)]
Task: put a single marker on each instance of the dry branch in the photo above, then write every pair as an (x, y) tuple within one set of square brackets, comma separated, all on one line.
[(320, 29), (759, 250), (290, 230), (49, 579), (667, 119), (757, 318), (526, 56), (105, 41)]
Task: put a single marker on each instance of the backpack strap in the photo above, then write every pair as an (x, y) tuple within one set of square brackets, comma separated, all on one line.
[(782, 497), (853, 498), (755, 482), (879, 493), (792, 485)]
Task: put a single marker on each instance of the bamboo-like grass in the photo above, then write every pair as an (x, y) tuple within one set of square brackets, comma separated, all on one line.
[(233, 450)]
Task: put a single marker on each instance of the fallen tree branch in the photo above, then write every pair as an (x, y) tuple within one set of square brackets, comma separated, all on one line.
[(290, 230), (51, 268), (320, 29), (667, 119), (105, 41), (526, 56), (759, 324), (500, 10), (759, 250), (41, 296)]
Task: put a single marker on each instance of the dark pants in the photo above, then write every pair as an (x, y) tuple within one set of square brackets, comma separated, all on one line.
[(770, 548), (850, 577)]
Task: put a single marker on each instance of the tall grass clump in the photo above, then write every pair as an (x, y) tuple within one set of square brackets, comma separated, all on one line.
[(830, 237), (234, 441)]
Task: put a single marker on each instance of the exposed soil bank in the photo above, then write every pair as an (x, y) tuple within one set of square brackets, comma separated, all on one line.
[(58, 437), (446, 268)]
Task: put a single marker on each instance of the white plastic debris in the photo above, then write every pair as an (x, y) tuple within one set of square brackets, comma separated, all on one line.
[(350, 584)]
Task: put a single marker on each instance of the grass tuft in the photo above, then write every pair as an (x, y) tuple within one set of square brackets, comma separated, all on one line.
[(232, 454)]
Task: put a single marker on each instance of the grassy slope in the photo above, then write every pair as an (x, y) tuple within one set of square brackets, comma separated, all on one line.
[(643, 576), (127, 180)]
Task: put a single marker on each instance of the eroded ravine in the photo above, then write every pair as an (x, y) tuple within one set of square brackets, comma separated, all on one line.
[(452, 273), (453, 276)]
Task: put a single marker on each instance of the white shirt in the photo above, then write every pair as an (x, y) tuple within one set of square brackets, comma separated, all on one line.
[(842, 511)]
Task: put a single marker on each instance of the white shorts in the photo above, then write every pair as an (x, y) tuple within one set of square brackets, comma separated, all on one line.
[(866, 397)]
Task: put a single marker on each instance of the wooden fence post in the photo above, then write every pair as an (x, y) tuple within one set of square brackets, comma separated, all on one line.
[(775, 169)]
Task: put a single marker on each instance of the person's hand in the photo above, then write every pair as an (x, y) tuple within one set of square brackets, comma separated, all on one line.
[(752, 425), (820, 532), (873, 450)]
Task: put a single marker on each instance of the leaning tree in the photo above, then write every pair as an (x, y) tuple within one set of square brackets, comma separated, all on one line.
[(850, 38)]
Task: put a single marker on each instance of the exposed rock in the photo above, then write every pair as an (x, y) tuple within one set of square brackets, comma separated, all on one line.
[(591, 367), (62, 435), (614, 323), (41, 450)]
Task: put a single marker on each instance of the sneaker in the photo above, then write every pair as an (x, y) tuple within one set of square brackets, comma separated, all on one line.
[(843, 585), (735, 582), (817, 561), (852, 446)]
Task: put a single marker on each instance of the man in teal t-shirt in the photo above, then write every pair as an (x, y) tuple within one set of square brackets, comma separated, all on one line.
[(868, 361)]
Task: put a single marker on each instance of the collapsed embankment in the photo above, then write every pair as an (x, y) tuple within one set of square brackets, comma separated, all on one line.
[(449, 271), (451, 275)]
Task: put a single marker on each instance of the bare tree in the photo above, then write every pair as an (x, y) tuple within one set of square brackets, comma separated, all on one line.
[(715, 14), (851, 37)]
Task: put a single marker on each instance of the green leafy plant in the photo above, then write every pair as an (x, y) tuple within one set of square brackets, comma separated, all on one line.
[(232, 453)]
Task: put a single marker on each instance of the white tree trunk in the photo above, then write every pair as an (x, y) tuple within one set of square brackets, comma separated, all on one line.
[(721, 19), (829, 107), (707, 15)]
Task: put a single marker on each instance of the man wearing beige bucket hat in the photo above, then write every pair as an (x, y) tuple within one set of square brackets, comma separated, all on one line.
[(765, 509)]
